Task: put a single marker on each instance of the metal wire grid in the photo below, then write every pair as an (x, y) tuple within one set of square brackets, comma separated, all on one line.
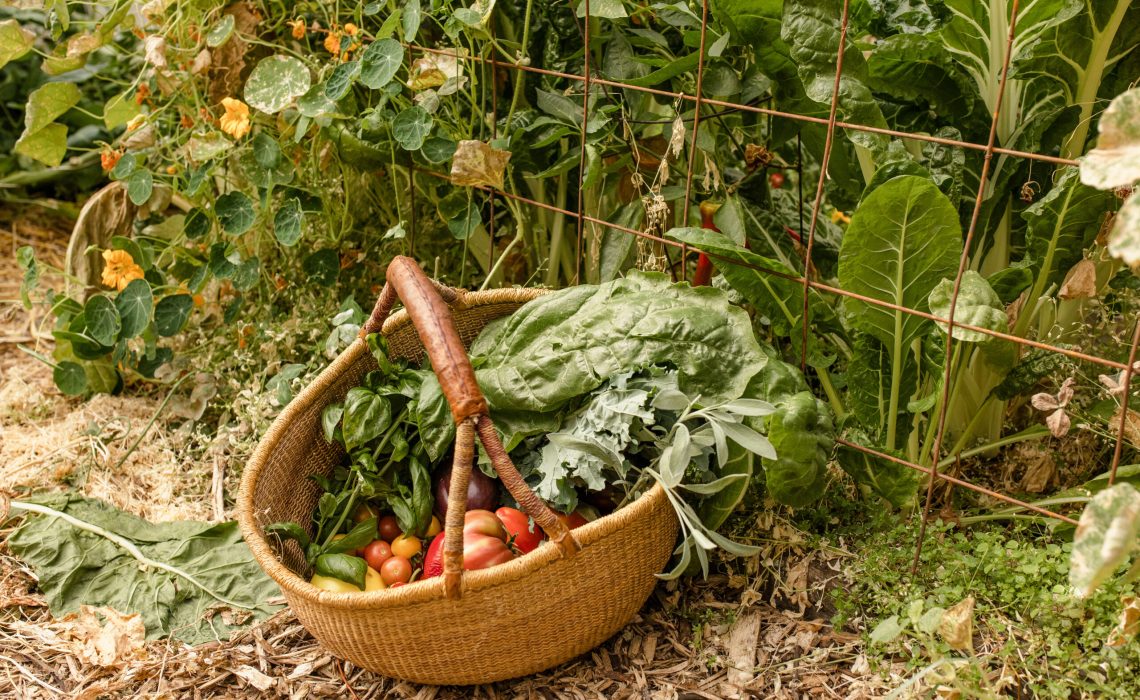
[(989, 149)]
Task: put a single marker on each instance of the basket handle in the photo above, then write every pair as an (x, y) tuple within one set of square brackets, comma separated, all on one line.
[(427, 303)]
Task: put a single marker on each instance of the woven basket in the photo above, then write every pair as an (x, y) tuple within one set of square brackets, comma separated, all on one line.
[(464, 627)]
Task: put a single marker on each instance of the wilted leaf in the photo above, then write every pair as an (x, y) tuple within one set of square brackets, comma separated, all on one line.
[(1105, 537), (43, 139), (1115, 162), (113, 642), (1080, 282), (957, 625), (77, 567), (1124, 238), (1131, 425), (1129, 623), (434, 70), (476, 163)]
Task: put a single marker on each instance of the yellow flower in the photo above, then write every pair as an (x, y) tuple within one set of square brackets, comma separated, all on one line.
[(120, 269), (332, 43), (350, 29), (298, 26), (837, 216), (235, 121)]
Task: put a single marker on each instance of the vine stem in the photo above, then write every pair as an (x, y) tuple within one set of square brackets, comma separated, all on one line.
[(520, 75), (126, 545), (153, 418)]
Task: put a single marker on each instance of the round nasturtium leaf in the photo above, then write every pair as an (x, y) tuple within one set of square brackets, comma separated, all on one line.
[(70, 377), (196, 224), (171, 314), (411, 127), (322, 267), (380, 61), (235, 212), (135, 304), (103, 322), (287, 222), (275, 82), (140, 184)]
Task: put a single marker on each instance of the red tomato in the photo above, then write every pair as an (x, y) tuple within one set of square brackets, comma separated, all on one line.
[(776, 180), (396, 570), (484, 522), (527, 535), (389, 528), (572, 520), (484, 551), (376, 553)]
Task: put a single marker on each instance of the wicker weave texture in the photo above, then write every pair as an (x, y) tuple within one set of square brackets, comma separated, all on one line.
[(513, 619)]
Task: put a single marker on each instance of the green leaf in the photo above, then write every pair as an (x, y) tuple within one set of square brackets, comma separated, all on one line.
[(103, 322), (220, 32), (119, 110), (609, 9), (411, 127), (411, 19), (70, 377), (438, 149), (342, 566), (919, 68), (367, 416), (315, 103), (357, 538), (1115, 162), (26, 259), (134, 304), (895, 483), (47, 103), (380, 61), (275, 82), (235, 212), (342, 78), (266, 152), (140, 184), (1061, 225), (196, 224), (171, 313), (802, 434), (288, 221), (330, 420), (289, 531), (1106, 536), (77, 567), (322, 267), (715, 509), (48, 145), (887, 631), (15, 41), (811, 31), (978, 305), (869, 383), (247, 273), (902, 240)]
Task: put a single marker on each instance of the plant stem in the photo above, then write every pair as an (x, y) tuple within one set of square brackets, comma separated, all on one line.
[(558, 231), (344, 513), (832, 394), (520, 75), (153, 418), (125, 544)]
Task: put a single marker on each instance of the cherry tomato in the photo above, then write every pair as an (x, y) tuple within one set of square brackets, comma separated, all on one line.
[(527, 535), (406, 546), (435, 527), (484, 522), (776, 180), (328, 583), (373, 581), (396, 569), (376, 553), (389, 528)]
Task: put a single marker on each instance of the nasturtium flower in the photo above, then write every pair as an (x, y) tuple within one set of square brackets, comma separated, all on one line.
[(109, 159), (235, 121), (298, 26), (350, 29), (332, 43), (120, 269), (838, 216)]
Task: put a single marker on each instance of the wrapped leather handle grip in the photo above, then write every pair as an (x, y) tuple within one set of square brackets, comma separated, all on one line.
[(427, 304)]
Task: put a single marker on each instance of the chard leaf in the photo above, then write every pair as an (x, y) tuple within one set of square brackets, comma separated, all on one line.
[(802, 434), (978, 305), (76, 566), (890, 480), (918, 68), (1105, 537), (869, 383)]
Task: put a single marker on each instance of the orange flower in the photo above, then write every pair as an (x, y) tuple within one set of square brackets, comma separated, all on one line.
[(186, 122), (109, 159), (142, 93), (235, 121), (120, 269), (837, 216), (298, 26), (350, 29), (332, 43)]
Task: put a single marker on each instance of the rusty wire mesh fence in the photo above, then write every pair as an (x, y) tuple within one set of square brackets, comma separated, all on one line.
[(590, 77)]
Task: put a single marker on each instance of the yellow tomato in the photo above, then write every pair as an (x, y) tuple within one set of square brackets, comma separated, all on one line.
[(406, 546), (435, 528), (335, 585), (372, 580)]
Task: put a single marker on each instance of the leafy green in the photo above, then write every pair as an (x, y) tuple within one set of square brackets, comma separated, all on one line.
[(76, 566), (801, 432)]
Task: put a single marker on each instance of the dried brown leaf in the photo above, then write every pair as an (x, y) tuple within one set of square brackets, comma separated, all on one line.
[(478, 164), (1059, 423), (1080, 282), (114, 641), (957, 625), (1129, 623)]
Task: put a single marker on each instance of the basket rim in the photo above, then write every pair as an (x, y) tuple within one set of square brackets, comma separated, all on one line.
[(429, 591)]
